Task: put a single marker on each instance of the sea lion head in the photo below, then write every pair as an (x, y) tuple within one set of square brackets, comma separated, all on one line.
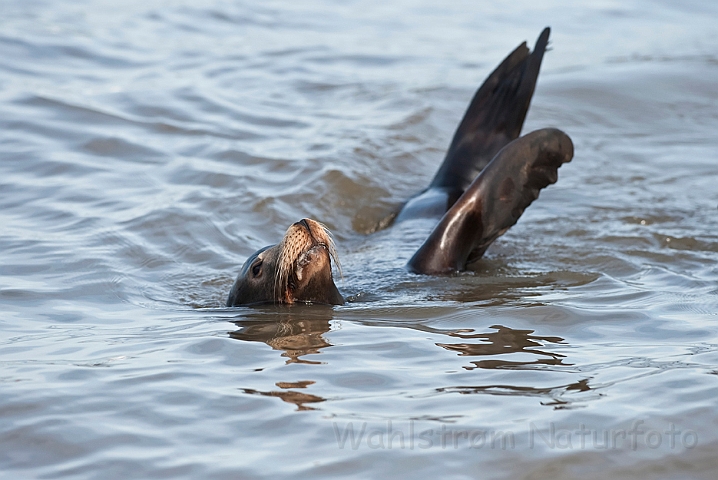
[(296, 270)]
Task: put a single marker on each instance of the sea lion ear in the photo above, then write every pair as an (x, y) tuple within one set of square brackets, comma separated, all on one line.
[(493, 202)]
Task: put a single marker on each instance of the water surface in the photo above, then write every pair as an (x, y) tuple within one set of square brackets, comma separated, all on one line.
[(146, 148)]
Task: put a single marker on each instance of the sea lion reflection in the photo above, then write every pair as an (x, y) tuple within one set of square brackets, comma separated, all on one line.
[(295, 333), (290, 396), (506, 341)]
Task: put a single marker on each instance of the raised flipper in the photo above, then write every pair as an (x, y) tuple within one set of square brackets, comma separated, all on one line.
[(494, 118), (493, 202)]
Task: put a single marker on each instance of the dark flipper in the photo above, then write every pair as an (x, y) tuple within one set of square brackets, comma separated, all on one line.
[(494, 118), (493, 202)]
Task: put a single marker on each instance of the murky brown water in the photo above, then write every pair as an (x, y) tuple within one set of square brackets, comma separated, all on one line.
[(146, 148)]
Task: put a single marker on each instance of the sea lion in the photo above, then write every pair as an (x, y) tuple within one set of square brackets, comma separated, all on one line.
[(486, 181)]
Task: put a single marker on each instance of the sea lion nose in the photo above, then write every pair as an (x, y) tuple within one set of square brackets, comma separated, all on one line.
[(303, 222)]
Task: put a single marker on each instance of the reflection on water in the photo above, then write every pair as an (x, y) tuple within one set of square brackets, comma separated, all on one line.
[(297, 331), (297, 398), (556, 394), (506, 341)]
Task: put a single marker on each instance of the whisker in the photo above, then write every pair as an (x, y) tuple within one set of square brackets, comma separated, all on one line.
[(280, 281), (332, 248)]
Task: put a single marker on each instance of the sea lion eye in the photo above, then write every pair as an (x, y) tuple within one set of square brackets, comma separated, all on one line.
[(256, 269)]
